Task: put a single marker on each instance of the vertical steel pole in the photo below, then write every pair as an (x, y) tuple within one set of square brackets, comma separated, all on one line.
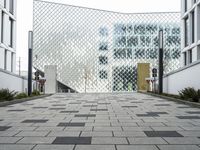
[(160, 81), (30, 48)]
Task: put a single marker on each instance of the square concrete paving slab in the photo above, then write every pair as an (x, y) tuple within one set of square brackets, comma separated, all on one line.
[(72, 140), (136, 147), (54, 147), (109, 140), (95, 147), (178, 147)]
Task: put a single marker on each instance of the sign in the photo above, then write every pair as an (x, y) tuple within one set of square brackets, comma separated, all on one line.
[(154, 72)]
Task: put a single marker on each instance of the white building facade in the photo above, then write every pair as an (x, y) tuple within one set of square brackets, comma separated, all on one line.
[(189, 74), (8, 35)]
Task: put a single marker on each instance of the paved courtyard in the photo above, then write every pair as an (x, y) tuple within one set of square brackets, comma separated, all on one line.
[(99, 122)]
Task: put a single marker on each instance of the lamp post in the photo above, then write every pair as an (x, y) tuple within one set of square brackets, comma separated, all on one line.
[(30, 48), (160, 79)]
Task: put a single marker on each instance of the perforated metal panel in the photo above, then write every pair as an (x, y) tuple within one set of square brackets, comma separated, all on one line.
[(98, 51)]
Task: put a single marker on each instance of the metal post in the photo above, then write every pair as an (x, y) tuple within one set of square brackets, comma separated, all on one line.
[(30, 48), (160, 89)]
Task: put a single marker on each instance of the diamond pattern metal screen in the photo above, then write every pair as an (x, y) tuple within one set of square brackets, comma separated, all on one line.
[(98, 51)]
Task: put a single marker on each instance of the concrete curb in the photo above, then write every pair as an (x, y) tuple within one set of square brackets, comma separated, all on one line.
[(172, 99), (6, 103)]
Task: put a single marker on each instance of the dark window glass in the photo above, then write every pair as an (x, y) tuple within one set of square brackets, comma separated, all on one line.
[(11, 8), (11, 32), (187, 31), (193, 28), (185, 58), (2, 26), (103, 74), (5, 60), (103, 46), (103, 60), (190, 56)]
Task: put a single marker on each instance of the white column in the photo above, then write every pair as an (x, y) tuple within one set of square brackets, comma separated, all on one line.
[(50, 72)]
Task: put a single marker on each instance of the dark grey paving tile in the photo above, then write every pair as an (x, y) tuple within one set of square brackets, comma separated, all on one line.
[(162, 105), (73, 111), (39, 107), (162, 134), (193, 112), (71, 124), (35, 121), (90, 105), (57, 108), (75, 103), (188, 117), (85, 115), (72, 140), (183, 107), (157, 113), (147, 115), (137, 102), (4, 128), (16, 110), (59, 105), (129, 106), (27, 104), (98, 109)]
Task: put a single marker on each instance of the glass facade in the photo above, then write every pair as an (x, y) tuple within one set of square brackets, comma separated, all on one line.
[(98, 51)]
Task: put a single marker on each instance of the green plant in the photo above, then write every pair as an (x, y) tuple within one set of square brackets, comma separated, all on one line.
[(7, 95), (190, 94), (35, 93), (21, 95)]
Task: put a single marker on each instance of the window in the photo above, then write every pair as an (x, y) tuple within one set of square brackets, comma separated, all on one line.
[(103, 60), (198, 52), (5, 3), (185, 58), (103, 74), (103, 46), (190, 56), (187, 31), (11, 32), (193, 28), (186, 6), (5, 60), (11, 8), (12, 57), (2, 26)]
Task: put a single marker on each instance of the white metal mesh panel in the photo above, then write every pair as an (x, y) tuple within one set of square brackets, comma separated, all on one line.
[(98, 51)]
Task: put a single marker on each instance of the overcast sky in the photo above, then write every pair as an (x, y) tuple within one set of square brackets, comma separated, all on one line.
[(25, 15)]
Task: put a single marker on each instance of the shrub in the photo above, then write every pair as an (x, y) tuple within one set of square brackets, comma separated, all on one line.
[(190, 94), (35, 93), (21, 95), (7, 95)]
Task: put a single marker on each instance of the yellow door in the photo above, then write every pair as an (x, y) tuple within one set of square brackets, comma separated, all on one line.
[(143, 72)]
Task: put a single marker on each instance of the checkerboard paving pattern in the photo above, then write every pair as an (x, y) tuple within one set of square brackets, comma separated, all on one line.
[(117, 121)]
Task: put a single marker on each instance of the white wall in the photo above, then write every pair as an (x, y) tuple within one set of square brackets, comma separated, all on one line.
[(188, 76), (12, 81)]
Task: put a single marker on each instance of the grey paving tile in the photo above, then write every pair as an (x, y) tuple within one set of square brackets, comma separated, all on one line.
[(96, 134), (16, 147), (36, 140), (147, 140), (162, 134), (54, 147), (8, 140), (129, 134), (64, 134), (16, 110), (193, 112), (136, 147), (109, 140), (72, 140), (95, 147), (185, 140), (178, 147), (98, 109), (32, 133), (72, 111)]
